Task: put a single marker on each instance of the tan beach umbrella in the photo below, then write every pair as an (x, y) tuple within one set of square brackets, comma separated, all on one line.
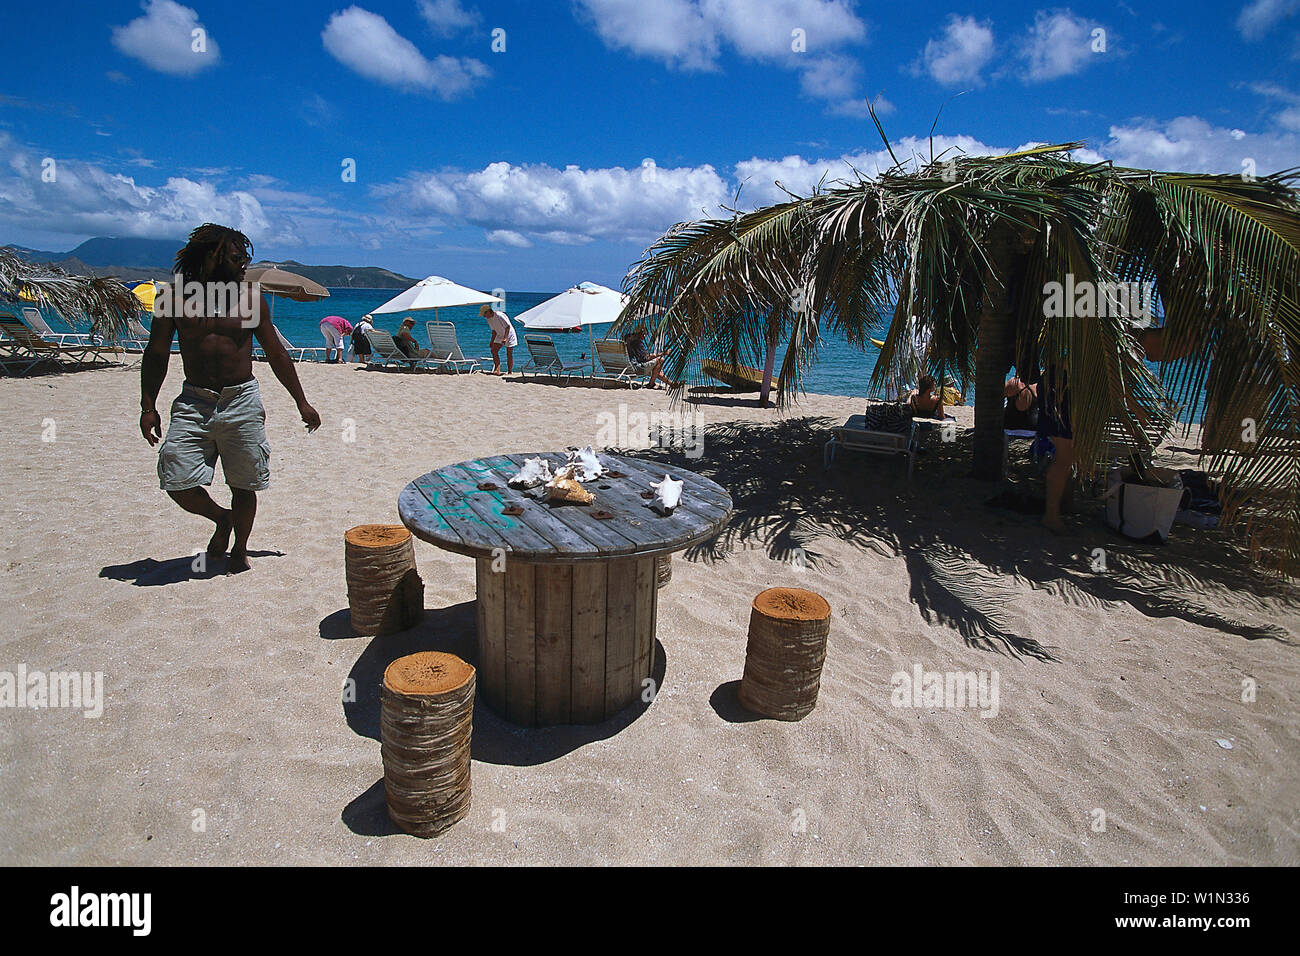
[(288, 284)]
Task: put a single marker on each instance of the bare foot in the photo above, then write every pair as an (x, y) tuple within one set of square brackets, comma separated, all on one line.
[(237, 563), (221, 537)]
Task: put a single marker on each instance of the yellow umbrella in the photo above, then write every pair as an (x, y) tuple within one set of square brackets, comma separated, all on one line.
[(146, 292)]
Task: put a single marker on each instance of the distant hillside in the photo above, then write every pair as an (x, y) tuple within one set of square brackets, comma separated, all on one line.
[(132, 259), (131, 253), (346, 277)]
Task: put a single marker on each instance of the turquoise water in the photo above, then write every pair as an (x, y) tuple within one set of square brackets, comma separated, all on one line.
[(840, 370)]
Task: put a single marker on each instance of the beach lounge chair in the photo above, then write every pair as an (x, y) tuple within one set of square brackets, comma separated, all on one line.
[(544, 360), (853, 435), (444, 350), (136, 338), (384, 351), (25, 349), (42, 328), (298, 354), (613, 358)]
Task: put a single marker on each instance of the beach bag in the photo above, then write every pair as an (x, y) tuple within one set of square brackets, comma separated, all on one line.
[(360, 344), (1139, 511), (889, 418)]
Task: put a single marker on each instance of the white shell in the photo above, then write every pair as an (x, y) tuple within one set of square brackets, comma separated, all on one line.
[(668, 495), (534, 472), (586, 464), (562, 473)]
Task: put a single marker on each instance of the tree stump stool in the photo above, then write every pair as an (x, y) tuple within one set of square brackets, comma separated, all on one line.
[(785, 653), (425, 729), (385, 593), (663, 569)]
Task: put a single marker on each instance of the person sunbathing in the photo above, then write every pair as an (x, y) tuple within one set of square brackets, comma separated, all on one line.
[(925, 400), (637, 352), (407, 343)]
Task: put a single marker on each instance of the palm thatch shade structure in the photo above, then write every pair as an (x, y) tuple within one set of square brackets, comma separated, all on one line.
[(968, 245), (104, 301)]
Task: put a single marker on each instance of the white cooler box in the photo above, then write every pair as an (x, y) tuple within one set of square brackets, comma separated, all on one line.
[(1140, 511)]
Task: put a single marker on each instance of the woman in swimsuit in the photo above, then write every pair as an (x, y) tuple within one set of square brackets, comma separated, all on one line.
[(923, 401), (1054, 423), (1021, 413)]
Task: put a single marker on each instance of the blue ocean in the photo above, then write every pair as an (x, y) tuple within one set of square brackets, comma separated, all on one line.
[(840, 369)]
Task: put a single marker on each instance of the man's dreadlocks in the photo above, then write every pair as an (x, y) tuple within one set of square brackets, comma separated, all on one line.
[(203, 240)]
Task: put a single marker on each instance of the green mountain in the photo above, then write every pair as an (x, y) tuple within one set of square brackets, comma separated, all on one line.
[(346, 277), (131, 259)]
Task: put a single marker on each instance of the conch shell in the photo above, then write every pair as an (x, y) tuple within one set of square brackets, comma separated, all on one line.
[(536, 471), (564, 488), (586, 464), (668, 495)]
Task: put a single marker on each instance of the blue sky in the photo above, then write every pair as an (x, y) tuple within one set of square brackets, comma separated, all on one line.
[(599, 125)]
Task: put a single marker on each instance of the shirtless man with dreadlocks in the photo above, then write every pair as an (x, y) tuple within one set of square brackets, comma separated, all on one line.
[(218, 413)]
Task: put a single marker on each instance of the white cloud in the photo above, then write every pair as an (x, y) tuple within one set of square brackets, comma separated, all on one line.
[(801, 176), (1190, 144), (570, 205), (447, 16), (1289, 117), (675, 31), (1058, 44), (691, 35), (86, 199), (508, 237), (366, 44), (959, 56), (163, 39), (1258, 18), (539, 204)]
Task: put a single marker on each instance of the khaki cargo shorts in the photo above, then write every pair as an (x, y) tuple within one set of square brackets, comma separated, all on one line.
[(207, 425)]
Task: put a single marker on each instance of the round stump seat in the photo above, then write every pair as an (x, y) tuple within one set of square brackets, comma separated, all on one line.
[(788, 628), (426, 723), (385, 593)]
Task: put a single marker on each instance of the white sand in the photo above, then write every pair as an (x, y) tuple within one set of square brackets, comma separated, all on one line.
[(222, 695)]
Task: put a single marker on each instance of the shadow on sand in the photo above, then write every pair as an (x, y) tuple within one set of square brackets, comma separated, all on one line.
[(149, 573), (495, 739), (964, 557)]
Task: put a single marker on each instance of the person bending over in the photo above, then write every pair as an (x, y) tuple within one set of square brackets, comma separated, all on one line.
[(218, 413), (503, 334)]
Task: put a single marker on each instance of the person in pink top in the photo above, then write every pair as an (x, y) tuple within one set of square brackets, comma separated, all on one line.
[(334, 327)]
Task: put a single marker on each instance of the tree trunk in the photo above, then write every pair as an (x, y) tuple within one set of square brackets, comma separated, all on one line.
[(766, 388), (992, 362)]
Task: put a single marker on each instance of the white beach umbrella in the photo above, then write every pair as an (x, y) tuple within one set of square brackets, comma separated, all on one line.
[(435, 292), (585, 304)]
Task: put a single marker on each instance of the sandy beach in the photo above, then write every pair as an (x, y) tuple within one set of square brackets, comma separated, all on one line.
[(1120, 688)]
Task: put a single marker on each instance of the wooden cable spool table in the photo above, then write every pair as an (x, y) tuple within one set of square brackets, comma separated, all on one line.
[(567, 600)]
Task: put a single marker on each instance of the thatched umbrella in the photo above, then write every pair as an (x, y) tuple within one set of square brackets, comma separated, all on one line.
[(104, 301), (971, 245)]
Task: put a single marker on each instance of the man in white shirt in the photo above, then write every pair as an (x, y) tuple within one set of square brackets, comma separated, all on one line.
[(503, 333)]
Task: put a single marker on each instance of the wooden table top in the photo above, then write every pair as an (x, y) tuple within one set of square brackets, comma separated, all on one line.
[(446, 508)]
